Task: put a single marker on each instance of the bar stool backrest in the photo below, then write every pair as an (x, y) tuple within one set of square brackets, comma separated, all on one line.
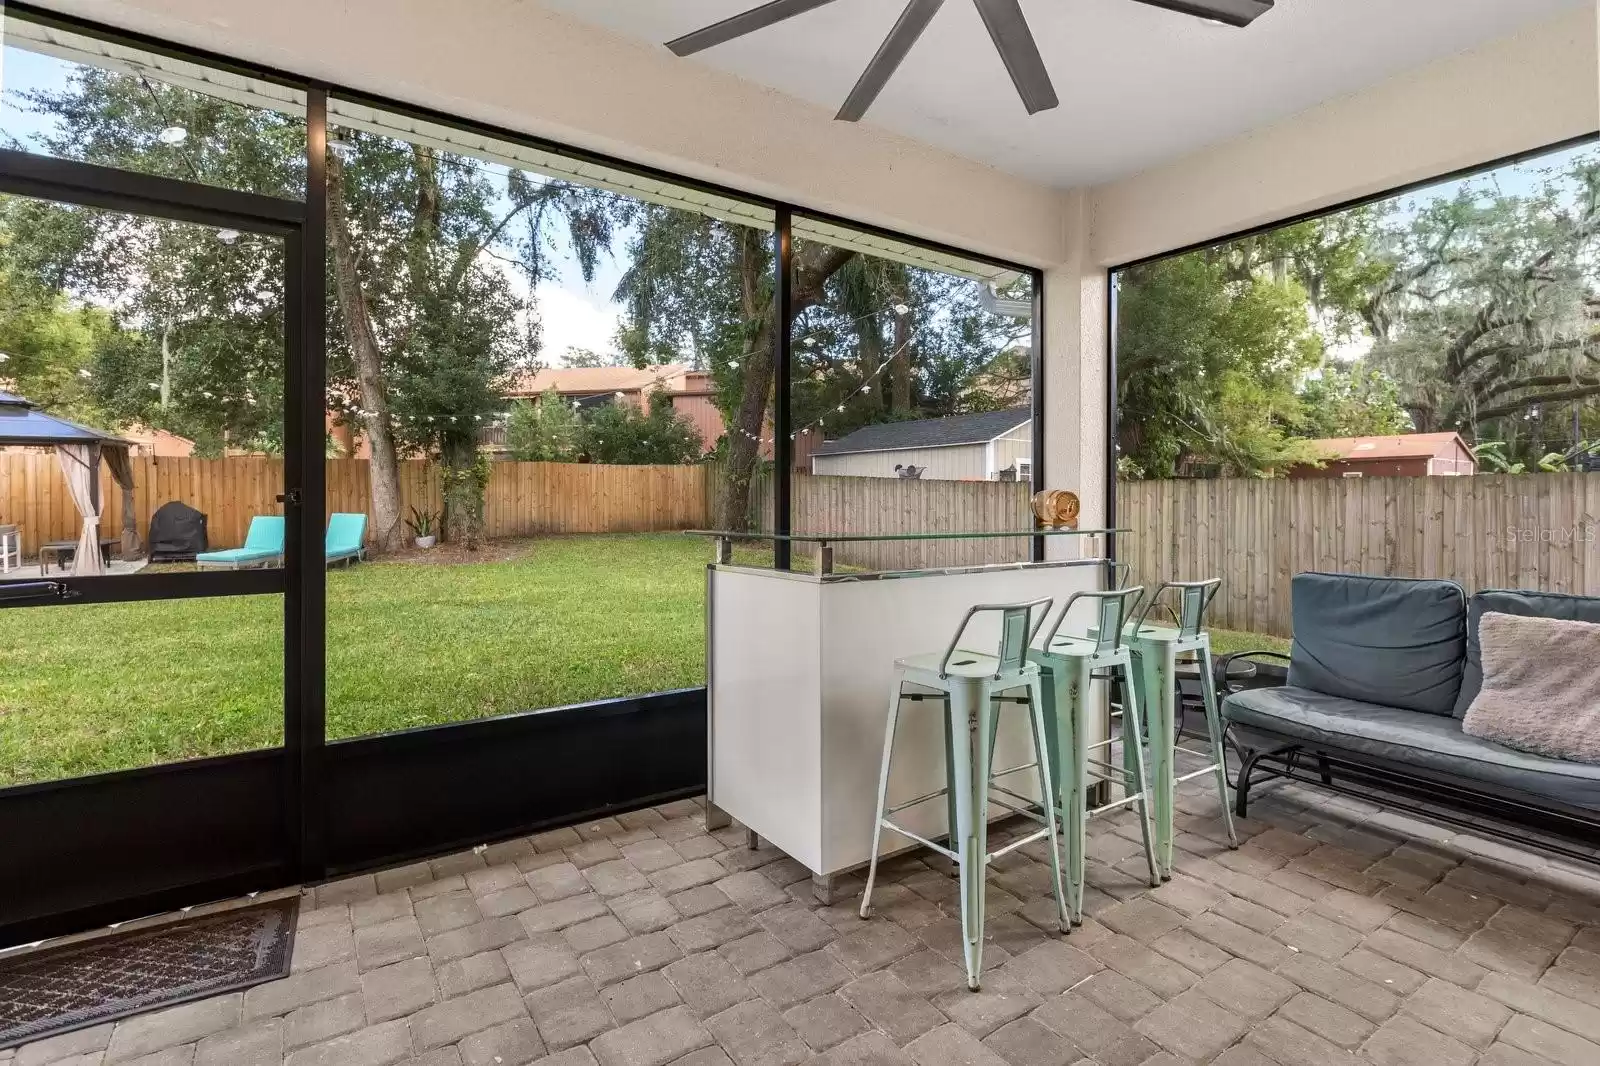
[(1194, 600), (1112, 608), (1016, 632)]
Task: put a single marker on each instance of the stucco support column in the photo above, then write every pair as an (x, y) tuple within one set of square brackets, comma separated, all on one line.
[(1076, 353)]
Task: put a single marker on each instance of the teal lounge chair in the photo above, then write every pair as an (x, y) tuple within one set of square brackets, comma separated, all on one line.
[(345, 533), (263, 546)]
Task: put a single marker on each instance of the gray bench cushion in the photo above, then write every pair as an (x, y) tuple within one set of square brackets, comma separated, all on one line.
[(1430, 741), (1527, 604), (1383, 640)]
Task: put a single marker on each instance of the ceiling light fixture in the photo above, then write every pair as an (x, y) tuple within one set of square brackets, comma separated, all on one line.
[(173, 135), (1007, 27)]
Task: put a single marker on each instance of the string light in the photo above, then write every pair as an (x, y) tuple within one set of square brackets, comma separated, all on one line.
[(866, 385)]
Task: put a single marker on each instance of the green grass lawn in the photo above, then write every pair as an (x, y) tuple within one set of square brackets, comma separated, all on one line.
[(111, 686), (85, 689), (1228, 641)]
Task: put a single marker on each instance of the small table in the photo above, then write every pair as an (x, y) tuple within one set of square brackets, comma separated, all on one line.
[(65, 551)]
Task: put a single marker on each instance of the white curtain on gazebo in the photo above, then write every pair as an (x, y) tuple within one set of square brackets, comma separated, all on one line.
[(80, 463), (121, 466)]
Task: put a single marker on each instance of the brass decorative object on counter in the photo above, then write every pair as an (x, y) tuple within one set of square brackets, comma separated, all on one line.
[(1056, 508)]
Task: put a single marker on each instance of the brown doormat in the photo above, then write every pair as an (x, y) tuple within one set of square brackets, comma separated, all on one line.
[(56, 990)]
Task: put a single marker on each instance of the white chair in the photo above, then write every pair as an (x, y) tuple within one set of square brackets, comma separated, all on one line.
[(969, 686), (10, 548)]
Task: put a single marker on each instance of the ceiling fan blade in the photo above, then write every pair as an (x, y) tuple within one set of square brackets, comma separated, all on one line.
[(1233, 12), (913, 20), (1016, 46), (756, 18)]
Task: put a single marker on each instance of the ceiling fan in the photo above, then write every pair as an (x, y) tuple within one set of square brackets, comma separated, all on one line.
[(1003, 18)]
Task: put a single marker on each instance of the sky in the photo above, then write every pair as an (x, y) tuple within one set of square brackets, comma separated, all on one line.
[(1519, 179), (574, 313)]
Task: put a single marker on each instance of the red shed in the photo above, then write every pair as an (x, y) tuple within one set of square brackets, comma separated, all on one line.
[(1396, 455)]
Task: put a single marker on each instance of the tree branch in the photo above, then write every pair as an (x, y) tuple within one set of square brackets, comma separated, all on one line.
[(1522, 404), (469, 253)]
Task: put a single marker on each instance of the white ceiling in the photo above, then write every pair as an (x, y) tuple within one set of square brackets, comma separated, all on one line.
[(1138, 85)]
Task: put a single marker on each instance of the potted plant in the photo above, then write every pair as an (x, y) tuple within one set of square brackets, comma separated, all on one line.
[(422, 526)]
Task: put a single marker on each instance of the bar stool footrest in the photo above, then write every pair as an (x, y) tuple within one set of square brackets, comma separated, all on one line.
[(1021, 842), (924, 841), (1114, 804), (935, 794), (1031, 810)]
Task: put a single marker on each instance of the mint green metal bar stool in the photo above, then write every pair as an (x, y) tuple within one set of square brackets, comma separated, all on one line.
[(1072, 662), (1156, 648), (970, 686)]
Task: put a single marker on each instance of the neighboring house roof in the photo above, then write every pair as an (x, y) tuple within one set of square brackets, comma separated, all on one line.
[(596, 379), (1394, 446), (159, 442), (928, 433)]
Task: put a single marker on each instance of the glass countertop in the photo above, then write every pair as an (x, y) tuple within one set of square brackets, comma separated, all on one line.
[(844, 538)]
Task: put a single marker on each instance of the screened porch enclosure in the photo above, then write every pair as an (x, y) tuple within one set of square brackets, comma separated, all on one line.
[(307, 793)]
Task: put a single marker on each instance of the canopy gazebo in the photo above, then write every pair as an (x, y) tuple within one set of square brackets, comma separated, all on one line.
[(79, 450)]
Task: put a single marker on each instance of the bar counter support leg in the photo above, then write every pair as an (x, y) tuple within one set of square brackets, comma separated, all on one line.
[(716, 817)]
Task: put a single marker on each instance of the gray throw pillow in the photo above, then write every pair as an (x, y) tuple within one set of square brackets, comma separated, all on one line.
[(1515, 601), (1541, 686)]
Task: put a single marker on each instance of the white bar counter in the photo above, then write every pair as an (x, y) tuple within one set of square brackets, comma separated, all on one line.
[(798, 678)]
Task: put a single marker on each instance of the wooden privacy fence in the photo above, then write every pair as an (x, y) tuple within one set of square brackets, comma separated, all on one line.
[(526, 499), (903, 505), (522, 499), (1538, 531)]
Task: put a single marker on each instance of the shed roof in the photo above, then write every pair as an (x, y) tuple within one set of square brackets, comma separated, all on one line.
[(1393, 446), (928, 433), (23, 423)]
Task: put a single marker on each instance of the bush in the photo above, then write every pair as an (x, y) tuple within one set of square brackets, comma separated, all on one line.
[(621, 433), (546, 430)]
